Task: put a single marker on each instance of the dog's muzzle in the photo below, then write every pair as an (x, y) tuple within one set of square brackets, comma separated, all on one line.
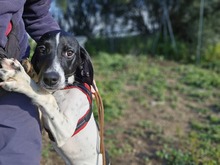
[(51, 78)]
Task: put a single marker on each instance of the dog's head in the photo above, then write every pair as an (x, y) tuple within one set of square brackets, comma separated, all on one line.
[(59, 60)]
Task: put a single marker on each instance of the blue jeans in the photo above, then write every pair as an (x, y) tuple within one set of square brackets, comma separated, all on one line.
[(20, 132)]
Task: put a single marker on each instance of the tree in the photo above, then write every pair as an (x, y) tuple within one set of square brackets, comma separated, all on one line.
[(106, 18), (116, 17)]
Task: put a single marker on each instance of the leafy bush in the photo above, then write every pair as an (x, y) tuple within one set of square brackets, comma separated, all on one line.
[(134, 45), (211, 57), (212, 53), (138, 45)]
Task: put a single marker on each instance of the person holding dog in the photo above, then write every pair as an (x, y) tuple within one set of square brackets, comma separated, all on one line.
[(20, 132)]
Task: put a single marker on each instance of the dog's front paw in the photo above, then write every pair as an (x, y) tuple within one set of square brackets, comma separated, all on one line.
[(13, 75), (9, 67)]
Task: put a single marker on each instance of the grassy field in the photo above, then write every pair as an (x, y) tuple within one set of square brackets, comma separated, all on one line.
[(156, 112)]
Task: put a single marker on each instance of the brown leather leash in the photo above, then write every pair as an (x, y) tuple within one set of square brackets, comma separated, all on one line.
[(100, 107)]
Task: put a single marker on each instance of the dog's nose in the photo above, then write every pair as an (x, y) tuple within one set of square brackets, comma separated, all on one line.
[(51, 78)]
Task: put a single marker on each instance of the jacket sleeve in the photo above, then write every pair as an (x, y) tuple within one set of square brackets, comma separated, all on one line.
[(37, 18), (7, 7)]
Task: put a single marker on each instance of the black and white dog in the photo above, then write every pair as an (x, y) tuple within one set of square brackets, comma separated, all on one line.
[(62, 93)]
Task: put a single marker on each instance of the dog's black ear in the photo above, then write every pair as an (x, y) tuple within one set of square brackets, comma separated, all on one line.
[(84, 73), (34, 62)]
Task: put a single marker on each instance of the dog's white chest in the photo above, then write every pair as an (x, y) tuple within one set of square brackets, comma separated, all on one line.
[(65, 99), (73, 103)]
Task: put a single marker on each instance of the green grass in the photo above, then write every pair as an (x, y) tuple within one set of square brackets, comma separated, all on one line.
[(199, 78), (140, 79)]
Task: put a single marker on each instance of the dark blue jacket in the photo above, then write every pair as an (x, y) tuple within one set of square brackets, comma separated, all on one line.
[(26, 15), (20, 136)]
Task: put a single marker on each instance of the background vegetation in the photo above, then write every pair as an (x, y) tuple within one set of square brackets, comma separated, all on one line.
[(161, 99), (161, 27)]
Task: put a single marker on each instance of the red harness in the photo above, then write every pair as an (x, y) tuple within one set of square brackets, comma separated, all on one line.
[(83, 121)]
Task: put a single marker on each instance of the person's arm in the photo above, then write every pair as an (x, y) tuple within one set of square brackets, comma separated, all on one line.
[(37, 18), (7, 7)]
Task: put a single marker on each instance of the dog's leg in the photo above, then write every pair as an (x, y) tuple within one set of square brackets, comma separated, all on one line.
[(15, 79)]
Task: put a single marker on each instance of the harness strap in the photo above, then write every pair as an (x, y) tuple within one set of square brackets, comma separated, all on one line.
[(83, 121)]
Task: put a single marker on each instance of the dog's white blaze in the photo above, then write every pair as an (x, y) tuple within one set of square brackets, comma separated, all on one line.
[(57, 39), (57, 68)]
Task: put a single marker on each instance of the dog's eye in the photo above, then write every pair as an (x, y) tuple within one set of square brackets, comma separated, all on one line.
[(69, 53), (42, 48)]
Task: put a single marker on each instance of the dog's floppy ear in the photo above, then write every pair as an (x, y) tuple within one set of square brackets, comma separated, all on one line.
[(84, 73), (34, 61)]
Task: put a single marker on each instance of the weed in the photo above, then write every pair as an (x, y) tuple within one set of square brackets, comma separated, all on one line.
[(214, 119), (174, 156), (203, 151), (46, 150), (199, 78), (200, 95), (118, 148)]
